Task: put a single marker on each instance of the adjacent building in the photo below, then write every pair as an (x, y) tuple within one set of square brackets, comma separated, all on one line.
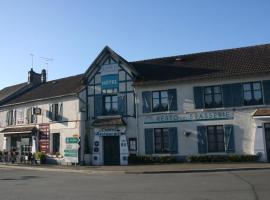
[(197, 104)]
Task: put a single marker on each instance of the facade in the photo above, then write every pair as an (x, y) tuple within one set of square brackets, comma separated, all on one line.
[(198, 104), (43, 117), (210, 103)]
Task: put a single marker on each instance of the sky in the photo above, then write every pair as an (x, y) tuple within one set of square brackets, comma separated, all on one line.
[(73, 32)]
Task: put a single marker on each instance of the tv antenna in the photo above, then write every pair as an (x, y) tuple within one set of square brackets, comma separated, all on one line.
[(47, 60), (32, 59)]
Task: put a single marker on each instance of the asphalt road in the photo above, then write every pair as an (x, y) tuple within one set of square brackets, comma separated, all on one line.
[(38, 185)]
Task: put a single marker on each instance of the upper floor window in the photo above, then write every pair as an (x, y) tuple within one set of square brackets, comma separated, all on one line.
[(213, 96), (159, 101), (110, 104), (30, 116), (252, 93), (11, 117), (56, 112)]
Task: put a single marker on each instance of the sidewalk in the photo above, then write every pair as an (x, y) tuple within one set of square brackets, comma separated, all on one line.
[(144, 169)]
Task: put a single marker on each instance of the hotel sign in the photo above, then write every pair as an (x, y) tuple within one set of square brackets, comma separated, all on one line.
[(109, 81), (187, 117)]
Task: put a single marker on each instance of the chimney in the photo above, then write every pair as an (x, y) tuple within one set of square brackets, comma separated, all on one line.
[(33, 77), (43, 76)]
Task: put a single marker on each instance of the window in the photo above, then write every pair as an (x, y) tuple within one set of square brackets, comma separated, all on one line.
[(213, 96), (56, 112), (31, 117), (132, 144), (162, 139), (252, 93), (160, 101), (110, 104), (11, 117), (215, 138)]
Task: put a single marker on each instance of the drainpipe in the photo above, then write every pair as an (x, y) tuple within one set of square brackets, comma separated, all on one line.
[(137, 120)]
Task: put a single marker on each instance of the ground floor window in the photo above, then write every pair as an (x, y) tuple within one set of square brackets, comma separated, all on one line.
[(215, 138), (56, 142), (132, 144), (162, 140)]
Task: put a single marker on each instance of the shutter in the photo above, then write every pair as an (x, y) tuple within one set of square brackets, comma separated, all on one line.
[(229, 139), (147, 102), (232, 95), (266, 91), (98, 105), (7, 118), (14, 117), (122, 104), (51, 112), (198, 97), (33, 115), (202, 141), (149, 138), (172, 99), (60, 112), (173, 140)]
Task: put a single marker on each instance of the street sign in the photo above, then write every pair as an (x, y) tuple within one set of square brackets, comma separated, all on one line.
[(71, 153)]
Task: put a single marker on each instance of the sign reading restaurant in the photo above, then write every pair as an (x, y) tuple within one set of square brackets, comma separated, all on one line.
[(198, 116)]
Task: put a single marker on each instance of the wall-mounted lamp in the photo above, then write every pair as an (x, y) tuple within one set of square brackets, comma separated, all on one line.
[(186, 133)]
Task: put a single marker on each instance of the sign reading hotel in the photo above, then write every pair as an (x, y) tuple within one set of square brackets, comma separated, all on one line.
[(198, 116), (71, 151), (109, 76)]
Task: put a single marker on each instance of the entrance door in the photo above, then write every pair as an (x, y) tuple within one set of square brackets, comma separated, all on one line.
[(267, 140), (111, 148)]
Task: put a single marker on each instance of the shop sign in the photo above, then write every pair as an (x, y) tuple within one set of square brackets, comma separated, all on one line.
[(109, 132), (198, 116), (44, 138)]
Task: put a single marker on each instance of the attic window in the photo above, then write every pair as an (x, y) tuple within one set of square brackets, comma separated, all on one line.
[(178, 59), (54, 82)]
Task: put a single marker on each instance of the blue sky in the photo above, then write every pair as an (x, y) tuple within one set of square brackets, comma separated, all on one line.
[(73, 32)]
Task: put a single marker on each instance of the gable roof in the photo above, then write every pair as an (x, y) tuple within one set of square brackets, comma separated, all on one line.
[(214, 64), (104, 53), (11, 90), (56, 88)]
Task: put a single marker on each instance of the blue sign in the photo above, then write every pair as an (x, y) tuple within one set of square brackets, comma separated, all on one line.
[(109, 81)]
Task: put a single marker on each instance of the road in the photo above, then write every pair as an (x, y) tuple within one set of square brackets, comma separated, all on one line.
[(38, 185)]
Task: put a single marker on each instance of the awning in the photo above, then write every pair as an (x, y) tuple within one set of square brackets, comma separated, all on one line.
[(262, 113), (19, 130), (109, 122)]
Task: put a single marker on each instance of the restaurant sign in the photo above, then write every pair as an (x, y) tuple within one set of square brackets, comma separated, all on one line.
[(187, 117)]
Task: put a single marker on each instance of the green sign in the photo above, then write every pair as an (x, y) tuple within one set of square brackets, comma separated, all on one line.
[(72, 140)]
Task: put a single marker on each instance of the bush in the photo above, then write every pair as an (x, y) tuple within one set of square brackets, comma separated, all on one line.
[(133, 159), (41, 156), (223, 158)]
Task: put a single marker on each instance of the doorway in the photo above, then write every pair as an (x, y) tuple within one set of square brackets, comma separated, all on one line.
[(267, 140), (111, 148)]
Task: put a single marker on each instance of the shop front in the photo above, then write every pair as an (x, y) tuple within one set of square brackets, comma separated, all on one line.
[(20, 143), (110, 142)]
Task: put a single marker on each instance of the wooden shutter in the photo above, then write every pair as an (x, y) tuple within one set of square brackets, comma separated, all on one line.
[(229, 139), (122, 105), (232, 95), (149, 140), (60, 112), (198, 97), (98, 105), (173, 140), (172, 94), (147, 102), (266, 91), (202, 139)]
